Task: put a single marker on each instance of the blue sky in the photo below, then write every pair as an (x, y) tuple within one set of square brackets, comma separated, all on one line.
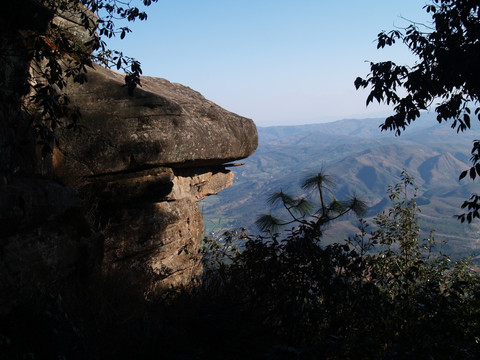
[(275, 61)]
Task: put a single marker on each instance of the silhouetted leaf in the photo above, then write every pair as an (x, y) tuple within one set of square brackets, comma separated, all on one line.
[(473, 173)]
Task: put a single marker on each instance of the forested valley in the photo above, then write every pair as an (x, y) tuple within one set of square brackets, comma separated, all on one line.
[(364, 161)]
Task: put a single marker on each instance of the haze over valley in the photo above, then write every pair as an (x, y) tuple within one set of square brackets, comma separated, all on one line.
[(364, 162)]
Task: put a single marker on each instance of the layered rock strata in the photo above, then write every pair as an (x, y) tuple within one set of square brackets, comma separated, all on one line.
[(151, 221), (144, 161), (119, 193), (161, 124)]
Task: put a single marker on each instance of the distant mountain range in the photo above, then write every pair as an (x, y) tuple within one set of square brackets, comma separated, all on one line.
[(364, 161)]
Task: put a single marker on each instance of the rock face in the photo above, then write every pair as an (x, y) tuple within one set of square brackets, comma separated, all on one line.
[(161, 238), (45, 238), (151, 221), (145, 161), (161, 124), (121, 193)]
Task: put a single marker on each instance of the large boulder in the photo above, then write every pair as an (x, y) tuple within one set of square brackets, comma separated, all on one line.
[(121, 191), (141, 197), (142, 162), (162, 124)]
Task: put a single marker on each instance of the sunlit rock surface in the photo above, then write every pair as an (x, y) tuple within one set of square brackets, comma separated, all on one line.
[(143, 162), (162, 124), (120, 192)]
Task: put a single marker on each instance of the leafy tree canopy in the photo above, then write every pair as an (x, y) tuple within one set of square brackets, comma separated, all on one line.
[(446, 75)]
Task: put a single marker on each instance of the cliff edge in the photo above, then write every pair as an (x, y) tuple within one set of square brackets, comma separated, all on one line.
[(119, 191)]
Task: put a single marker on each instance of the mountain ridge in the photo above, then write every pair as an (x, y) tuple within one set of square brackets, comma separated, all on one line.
[(364, 161)]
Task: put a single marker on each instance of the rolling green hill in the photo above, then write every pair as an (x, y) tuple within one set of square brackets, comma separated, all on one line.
[(364, 162)]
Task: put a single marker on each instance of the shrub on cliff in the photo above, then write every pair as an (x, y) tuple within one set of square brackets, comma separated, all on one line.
[(384, 293)]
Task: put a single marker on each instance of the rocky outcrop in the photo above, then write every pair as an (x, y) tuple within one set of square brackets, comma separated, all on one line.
[(151, 221), (161, 124), (160, 238), (120, 192), (144, 161)]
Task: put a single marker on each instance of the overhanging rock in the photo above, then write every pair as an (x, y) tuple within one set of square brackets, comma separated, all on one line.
[(143, 162), (162, 124)]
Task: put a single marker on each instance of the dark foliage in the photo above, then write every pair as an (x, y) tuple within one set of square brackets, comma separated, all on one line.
[(383, 294), (446, 73), (314, 213)]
